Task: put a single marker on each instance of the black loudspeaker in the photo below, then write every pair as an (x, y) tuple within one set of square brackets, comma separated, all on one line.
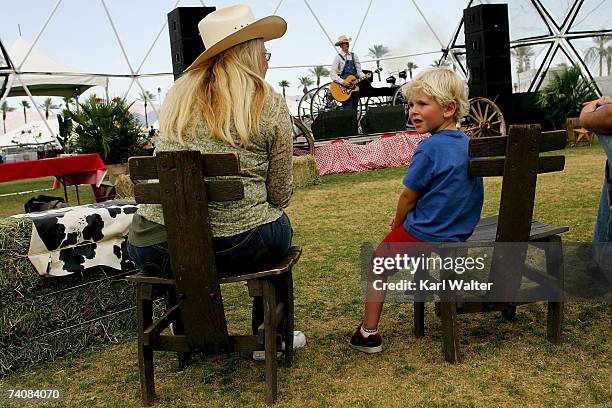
[(484, 44), (487, 45), (335, 124), (185, 41), (485, 17), (490, 69), (384, 119)]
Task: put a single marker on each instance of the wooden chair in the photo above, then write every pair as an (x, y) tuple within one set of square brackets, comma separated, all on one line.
[(519, 168), (180, 182)]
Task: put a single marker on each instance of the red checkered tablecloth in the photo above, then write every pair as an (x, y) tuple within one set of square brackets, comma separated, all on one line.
[(342, 156)]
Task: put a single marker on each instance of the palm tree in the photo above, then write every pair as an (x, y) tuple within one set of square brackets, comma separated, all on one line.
[(523, 58), (5, 108), (146, 96), (25, 105), (319, 71), (411, 66), (378, 51), (440, 64), (598, 52), (67, 102), (609, 59), (305, 82), (47, 105), (283, 84), (563, 95)]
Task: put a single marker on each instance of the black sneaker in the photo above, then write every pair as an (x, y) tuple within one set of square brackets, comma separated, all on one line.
[(370, 345)]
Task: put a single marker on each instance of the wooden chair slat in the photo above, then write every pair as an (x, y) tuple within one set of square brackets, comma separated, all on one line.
[(221, 164), (496, 146), (216, 190), (172, 343), (153, 280), (495, 167), (251, 343), (293, 255), (148, 193), (142, 168), (161, 324), (214, 164), (186, 218), (224, 190)]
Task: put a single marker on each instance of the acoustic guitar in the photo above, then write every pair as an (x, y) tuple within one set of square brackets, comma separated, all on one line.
[(342, 93)]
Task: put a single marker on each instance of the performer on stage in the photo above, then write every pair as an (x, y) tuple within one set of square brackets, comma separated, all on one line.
[(346, 63)]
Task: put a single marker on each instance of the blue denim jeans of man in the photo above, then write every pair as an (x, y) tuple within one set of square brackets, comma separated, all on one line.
[(249, 251), (603, 225)]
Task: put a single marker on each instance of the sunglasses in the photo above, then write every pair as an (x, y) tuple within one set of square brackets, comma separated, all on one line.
[(267, 56)]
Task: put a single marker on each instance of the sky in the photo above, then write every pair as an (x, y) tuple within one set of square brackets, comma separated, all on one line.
[(80, 35)]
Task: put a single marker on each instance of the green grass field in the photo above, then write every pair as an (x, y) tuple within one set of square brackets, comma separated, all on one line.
[(504, 364), (12, 203)]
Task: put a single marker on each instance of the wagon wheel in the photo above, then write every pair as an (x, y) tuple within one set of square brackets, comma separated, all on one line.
[(304, 132), (377, 101), (399, 99), (485, 119), (304, 108), (398, 96), (323, 101)]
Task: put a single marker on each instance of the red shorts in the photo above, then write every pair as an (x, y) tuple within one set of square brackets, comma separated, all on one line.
[(398, 236)]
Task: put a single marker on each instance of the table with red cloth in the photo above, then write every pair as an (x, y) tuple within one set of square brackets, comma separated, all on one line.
[(344, 156), (69, 170)]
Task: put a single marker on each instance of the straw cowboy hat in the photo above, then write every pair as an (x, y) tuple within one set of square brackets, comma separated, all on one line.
[(233, 25), (343, 39)]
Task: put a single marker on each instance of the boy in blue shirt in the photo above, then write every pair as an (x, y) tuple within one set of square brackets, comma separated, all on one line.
[(440, 201)]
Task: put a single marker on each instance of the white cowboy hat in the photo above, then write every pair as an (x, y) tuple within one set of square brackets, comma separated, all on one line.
[(233, 25), (343, 39)]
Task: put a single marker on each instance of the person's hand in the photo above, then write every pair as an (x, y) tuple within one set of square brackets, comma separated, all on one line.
[(591, 106), (393, 224), (346, 83)]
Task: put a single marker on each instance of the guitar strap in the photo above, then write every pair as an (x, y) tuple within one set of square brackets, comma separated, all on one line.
[(343, 59)]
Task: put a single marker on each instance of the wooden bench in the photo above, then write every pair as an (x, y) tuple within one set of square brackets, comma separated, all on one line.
[(517, 158), (184, 182)]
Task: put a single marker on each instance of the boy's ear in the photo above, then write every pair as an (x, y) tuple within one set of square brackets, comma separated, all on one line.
[(450, 109)]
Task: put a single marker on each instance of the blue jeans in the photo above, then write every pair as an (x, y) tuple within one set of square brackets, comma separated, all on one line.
[(249, 251), (603, 225)]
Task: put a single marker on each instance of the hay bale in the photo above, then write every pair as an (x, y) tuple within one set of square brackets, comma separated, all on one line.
[(305, 171), (42, 318), (124, 186)]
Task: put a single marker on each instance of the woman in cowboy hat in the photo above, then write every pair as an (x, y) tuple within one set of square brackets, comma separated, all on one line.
[(222, 103), (346, 63)]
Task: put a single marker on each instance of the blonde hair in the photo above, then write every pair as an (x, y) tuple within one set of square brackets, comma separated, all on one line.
[(227, 90), (444, 86)]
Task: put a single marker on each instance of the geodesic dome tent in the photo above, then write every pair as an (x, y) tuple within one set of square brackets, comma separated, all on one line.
[(543, 34)]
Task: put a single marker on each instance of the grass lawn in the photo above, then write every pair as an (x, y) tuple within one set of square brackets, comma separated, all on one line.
[(504, 364), (11, 203)]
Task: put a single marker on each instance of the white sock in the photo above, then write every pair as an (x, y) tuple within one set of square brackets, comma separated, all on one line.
[(368, 332)]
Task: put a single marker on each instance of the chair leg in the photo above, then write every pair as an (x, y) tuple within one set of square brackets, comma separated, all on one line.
[(419, 319), (450, 341), (144, 314), (554, 267), (269, 303), (509, 314), (289, 319)]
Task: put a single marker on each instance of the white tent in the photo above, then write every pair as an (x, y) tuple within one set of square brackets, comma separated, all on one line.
[(33, 133), (64, 81)]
